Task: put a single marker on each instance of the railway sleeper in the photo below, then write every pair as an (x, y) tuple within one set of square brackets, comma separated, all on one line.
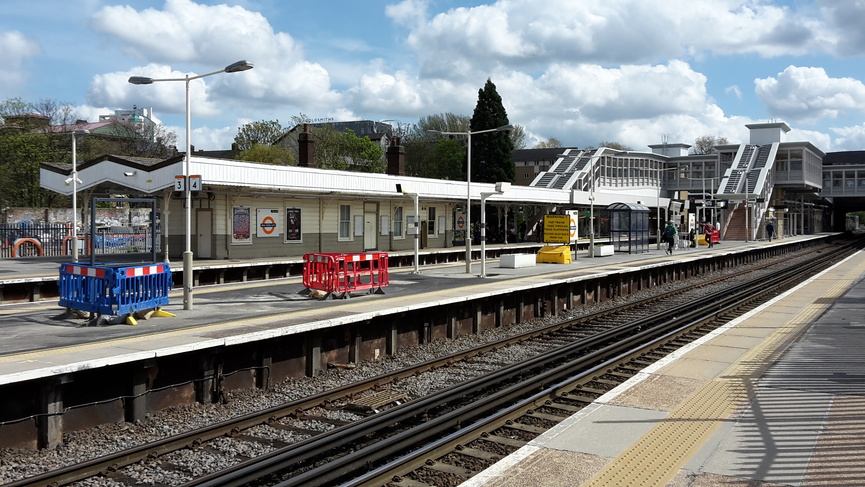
[(479, 454), (450, 469), (406, 482), (526, 427), (501, 440), (622, 374), (579, 397), (607, 382), (546, 416), (565, 408), (592, 390)]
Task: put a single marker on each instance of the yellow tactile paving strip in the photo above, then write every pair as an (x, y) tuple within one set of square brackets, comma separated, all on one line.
[(654, 459)]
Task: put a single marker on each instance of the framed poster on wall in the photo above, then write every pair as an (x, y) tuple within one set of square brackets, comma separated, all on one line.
[(241, 226), (292, 225)]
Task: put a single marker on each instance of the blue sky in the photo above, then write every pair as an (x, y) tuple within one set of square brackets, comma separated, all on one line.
[(581, 71)]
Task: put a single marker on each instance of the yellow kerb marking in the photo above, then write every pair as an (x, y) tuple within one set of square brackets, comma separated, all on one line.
[(654, 459)]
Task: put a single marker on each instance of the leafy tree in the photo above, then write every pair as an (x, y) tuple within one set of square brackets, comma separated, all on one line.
[(134, 139), (336, 150), (614, 145), (361, 154), (551, 143), (21, 152), (422, 150), (443, 122), (491, 152), (263, 132), (447, 161), (518, 136), (29, 137), (706, 144), (268, 154)]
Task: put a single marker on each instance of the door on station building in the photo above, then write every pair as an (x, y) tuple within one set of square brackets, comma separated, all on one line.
[(370, 217), (204, 229)]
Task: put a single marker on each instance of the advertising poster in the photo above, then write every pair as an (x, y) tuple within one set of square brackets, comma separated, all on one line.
[(240, 225), (268, 222), (292, 225)]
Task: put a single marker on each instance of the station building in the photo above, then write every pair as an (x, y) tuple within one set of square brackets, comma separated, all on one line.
[(247, 210)]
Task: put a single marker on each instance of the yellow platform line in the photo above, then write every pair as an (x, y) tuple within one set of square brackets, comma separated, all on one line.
[(655, 458)]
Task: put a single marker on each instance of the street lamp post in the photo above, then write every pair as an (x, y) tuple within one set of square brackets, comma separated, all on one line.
[(503, 128), (592, 211), (500, 189), (747, 210), (75, 181), (415, 224), (187, 254)]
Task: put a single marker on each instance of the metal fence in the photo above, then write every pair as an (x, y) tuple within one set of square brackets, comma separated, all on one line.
[(55, 240)]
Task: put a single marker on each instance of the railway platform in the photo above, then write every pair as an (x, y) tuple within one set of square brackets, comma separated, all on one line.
[(247, 310), (775, 398), (38, 347)]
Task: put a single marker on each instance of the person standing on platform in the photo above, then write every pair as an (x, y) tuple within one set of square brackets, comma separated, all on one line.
[(709, 232), (669, 235), (770, 230)]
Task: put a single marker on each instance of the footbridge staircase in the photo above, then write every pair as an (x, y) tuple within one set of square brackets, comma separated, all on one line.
[(748, 179)]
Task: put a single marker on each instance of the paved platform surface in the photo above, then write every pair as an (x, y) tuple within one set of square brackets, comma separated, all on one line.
[(775, 398), (39, 342)]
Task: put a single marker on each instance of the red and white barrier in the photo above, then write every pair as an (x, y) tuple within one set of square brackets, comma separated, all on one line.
[(345, 273)]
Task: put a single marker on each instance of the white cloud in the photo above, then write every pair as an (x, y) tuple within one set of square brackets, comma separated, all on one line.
[(190, 36), (842, 31), (526, 33), (849, 138), (805, 93), (734, 90), (579, 71), (15, 48), (408, 12), (113, 89), (194, 34)]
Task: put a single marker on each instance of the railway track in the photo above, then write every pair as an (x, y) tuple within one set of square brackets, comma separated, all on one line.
[(508, 401)]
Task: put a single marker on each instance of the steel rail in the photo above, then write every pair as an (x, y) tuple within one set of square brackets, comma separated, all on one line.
[(383, 447), (117, 460)]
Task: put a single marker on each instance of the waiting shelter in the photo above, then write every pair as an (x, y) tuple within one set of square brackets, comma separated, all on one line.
[(629, 227)]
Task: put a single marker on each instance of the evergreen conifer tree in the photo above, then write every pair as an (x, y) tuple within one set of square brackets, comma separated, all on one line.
[(491, 152)]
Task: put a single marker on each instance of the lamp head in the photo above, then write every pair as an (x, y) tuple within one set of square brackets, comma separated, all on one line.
[(238, 67), (140, 80)]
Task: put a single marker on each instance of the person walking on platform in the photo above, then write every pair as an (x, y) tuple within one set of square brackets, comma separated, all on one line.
[(709, 232), (770, 230), (669, 235)]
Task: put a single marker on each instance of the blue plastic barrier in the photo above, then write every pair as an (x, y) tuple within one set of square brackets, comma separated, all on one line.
[(110, 290)]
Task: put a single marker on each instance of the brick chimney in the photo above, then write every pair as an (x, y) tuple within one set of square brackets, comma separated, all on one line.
[(305, 147), (395, 158)]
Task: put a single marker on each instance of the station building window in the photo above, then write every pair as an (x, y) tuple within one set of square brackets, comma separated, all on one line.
[(397, 222), (431, 221), (345, 222)]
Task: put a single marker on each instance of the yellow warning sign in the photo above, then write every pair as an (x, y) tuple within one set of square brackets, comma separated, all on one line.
[(557, 229)]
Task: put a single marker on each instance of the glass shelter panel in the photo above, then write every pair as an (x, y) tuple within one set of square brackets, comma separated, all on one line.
[(629, 227)]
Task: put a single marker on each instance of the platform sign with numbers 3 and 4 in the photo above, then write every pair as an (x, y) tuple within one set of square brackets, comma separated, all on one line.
[(194, 183)]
